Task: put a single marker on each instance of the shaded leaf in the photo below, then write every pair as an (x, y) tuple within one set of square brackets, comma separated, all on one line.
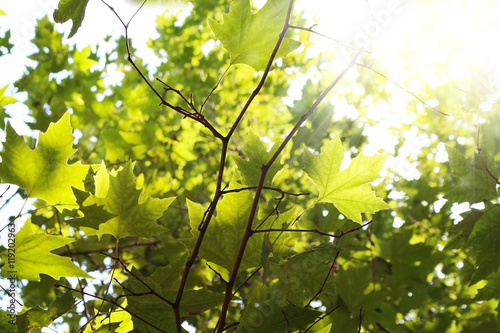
[(474, 183), (271, 318), (37, 318)]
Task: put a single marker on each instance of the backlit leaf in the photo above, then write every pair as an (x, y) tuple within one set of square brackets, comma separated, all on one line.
[(33, 257), (250, 38), (134, 213), (345, 188), (43, 172)]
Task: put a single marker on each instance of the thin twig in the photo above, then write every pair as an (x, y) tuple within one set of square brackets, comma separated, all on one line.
[(316, 231), (118, 260), (57, 285), (216, 273), (246, 280), (214, 88), (325, 280), (276, 189), (382, 328), (360, 319), (320, 318), (327, 37), (370, 67)]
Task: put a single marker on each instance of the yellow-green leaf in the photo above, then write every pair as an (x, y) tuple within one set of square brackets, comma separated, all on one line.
[(134, 213), (44, 172), (345, 188), (33, 257), (250, 38)]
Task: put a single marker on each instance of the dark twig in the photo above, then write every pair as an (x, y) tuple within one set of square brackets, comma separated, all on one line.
[(360, 319), (316, 231), (320, 318), (193, 115), (246, 280), (152, 291), (370, 67), (120, 247), (325, 280), (382, 328), (214, 88), (492, 176), (216, 273), (276, 189), (114, 303)]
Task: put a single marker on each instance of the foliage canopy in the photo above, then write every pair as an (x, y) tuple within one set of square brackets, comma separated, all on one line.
[(236, 204)]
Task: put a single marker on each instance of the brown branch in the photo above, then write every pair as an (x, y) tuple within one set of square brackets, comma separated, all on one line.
[(402, 88), (57, 285), (265, 168)]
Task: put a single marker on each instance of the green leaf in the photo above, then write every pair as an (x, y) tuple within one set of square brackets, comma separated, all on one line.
[(250, 38), (474, 183), (223, 237), (134, 213), (35, 318), (344, 188), (5, 100), (491, 290), (270, 318), (43, 172), (164, 282), (71, 10), (303, 275), (256, 156), (5, 43), (33, 257)]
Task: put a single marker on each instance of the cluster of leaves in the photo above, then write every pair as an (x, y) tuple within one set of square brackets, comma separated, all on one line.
[(227, 209)]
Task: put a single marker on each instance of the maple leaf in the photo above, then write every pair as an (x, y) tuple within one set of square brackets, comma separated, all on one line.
[(475, 184), (223, 237), (73, 10), (256, 156), (33, 256), (345, 189), (134, 213), (43, 172), (251, 38)]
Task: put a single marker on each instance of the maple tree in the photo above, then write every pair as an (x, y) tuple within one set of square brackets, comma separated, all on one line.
[(200, 198)]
